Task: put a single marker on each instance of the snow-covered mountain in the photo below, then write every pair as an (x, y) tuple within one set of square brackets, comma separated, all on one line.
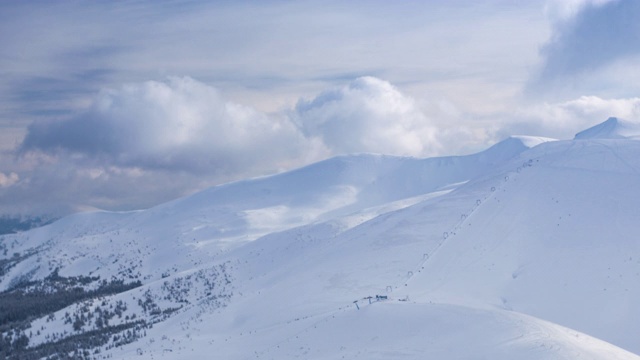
[(613, 128), (527, 250)]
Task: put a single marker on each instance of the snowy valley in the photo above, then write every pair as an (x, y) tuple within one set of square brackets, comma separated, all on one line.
[(527, 250)]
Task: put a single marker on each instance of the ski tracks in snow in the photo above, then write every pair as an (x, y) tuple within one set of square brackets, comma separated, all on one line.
[(464, 218)]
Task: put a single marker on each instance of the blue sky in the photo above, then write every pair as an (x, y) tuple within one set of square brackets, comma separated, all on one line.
[(124, 105)]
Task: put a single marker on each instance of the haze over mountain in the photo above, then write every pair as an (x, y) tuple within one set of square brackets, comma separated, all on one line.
[(526, 250)]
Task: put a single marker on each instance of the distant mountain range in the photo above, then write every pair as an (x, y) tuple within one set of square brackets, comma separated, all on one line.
[(14, 224)]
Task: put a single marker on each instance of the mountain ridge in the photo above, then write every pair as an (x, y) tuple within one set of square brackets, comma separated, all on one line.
[(268, 267), (612, 128)]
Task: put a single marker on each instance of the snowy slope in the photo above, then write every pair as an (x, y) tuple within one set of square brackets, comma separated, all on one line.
[(535, 238), (613, 128), (526, 250), (557, 240), (383, 330), (187, 232)]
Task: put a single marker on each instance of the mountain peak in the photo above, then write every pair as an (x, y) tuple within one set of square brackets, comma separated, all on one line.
[(529, 141), (612, 128), (512, 145)]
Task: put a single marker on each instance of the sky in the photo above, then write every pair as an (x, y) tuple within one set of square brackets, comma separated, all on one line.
[(125, 105)]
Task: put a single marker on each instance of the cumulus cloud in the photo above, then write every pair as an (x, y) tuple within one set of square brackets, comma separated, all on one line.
[(185, 125), (180, 124), (587, 36), (145, 143), (366, 115)]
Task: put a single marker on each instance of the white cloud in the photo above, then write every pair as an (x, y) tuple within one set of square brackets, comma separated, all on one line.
[(180, 135), (180, 124), (150, 142), (564, 119), (367, 115), (145, 143), (183, 124)]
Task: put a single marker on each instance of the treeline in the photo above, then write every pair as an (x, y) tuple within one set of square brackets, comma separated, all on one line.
[(36, 299), (100, 325), (81, 346)]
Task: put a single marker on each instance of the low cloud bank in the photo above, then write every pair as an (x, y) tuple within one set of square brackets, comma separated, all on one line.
[(146, 143)]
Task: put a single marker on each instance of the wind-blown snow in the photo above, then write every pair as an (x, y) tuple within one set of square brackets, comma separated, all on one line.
[(613, 128)]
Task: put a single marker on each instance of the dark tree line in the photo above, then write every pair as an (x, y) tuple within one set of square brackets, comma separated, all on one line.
[(80, 346), (35, 299), (29, 300)]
